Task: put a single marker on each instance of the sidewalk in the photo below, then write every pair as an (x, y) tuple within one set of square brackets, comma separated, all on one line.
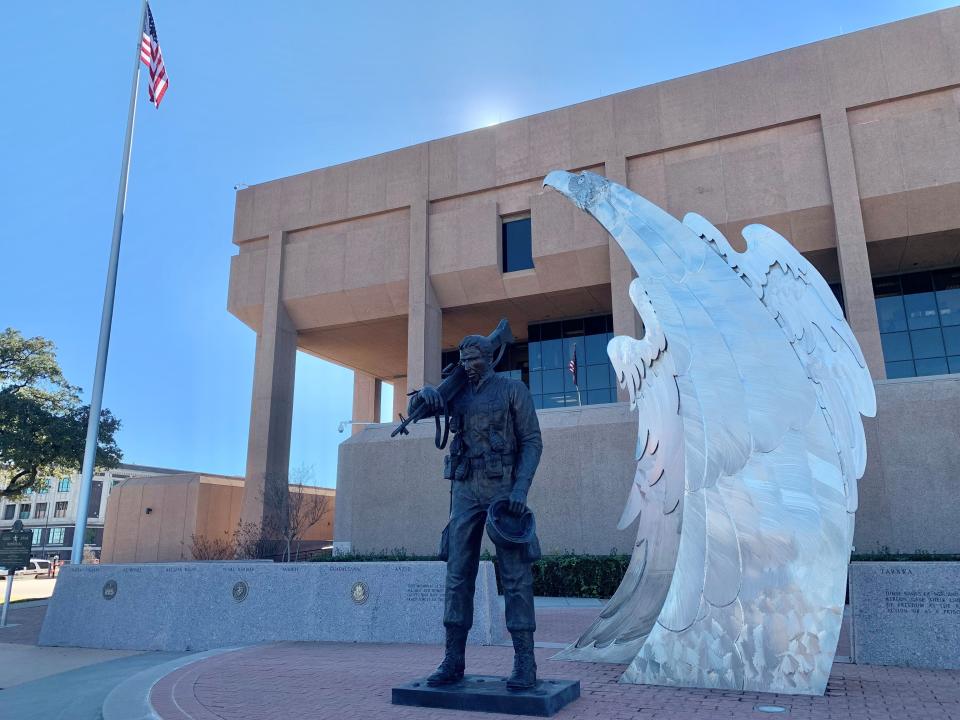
[(28, 588)]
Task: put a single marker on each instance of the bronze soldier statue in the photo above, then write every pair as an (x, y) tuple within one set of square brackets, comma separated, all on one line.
[(493, 456)]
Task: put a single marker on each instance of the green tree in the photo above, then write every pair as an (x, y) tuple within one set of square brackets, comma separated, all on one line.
[(43, 424)]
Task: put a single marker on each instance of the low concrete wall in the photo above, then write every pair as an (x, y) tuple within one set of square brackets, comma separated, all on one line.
[(390, 493), (906, 613), (181, 607)]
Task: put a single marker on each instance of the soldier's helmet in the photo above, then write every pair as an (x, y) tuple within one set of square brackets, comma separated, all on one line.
[(507, 530)]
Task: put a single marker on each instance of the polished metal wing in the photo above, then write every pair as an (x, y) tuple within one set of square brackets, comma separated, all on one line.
[(749, 387)]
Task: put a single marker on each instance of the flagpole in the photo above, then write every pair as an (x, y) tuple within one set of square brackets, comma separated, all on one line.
[(106, 319)]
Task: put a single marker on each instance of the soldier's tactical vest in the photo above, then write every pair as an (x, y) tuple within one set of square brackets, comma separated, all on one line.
[(483, 430)]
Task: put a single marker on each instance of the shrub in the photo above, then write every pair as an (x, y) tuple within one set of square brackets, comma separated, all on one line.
[(566, 575)]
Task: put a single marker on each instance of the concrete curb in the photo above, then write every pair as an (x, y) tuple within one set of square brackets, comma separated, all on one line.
[(130, 700), (35, 602)]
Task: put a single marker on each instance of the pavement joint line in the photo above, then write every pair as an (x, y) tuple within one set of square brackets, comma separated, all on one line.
[(130, 700)]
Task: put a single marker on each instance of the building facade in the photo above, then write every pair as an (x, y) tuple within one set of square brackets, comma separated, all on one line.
[(196, 516), (51, 514), (849, 147)]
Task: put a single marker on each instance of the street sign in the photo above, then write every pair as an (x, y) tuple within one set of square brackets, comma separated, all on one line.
[(15, 549)]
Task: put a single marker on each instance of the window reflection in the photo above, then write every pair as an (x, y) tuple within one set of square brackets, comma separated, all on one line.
[(890, 314), (919, 318), (543, 362), (554, 344)]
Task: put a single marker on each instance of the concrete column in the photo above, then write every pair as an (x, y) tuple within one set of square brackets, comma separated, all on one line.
[(366, 400), (399, 398), (424, 319), (625, 318), (858, 298), (271, 412)]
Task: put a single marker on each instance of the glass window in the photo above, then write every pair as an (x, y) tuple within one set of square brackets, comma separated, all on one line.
[(932, 366), (517, 245), (953, 363), (550, 331), (568, 345), (63, 485), (37, 532), (60, 510), (927, 343), (949, 303), (554, 400), (552, 381), (919, 282), (901, 369), (890, 314), (598, 376), (599, 396), (919, 318), (597, 325), (551, 354), (536, 382), (951, 339), (535, 355), (551, 348), (25, 511), (921, 311), (41, 511), (9, 511), (896, 346), (596, 349), (886, 286), (56, 536)]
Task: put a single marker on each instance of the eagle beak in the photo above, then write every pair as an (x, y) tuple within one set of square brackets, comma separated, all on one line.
[(559, 180)]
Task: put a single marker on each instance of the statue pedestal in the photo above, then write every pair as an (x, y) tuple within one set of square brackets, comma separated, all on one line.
[(488, 693)]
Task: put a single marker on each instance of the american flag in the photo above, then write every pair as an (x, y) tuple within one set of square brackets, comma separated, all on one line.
[(572, 366), (152, 57)]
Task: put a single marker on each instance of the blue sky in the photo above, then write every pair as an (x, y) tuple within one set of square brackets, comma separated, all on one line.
[(261, 90)]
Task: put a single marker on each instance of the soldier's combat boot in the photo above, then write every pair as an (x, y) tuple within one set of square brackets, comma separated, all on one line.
[(524, 674), (451, 669)]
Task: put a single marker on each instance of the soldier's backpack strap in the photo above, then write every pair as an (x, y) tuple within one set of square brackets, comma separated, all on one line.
[(442, 443)]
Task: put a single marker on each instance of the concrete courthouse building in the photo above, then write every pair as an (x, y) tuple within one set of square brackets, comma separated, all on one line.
[(849, 147)]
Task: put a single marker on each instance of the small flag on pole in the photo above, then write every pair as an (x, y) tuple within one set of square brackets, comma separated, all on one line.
[(572, 366), (152, 57)]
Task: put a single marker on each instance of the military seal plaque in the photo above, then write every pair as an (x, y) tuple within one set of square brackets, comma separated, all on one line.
[(240, 591), (110, 589), (360, 593)]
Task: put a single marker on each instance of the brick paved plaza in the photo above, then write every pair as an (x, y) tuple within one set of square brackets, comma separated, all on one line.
[(339, 680), (334, 680)]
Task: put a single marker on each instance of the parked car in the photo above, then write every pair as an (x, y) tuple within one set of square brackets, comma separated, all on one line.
[(36, 566)]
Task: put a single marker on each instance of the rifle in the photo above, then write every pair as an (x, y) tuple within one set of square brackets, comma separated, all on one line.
[(454, 380)]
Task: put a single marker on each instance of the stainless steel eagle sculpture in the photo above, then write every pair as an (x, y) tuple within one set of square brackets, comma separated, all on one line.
[(749, 386)]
